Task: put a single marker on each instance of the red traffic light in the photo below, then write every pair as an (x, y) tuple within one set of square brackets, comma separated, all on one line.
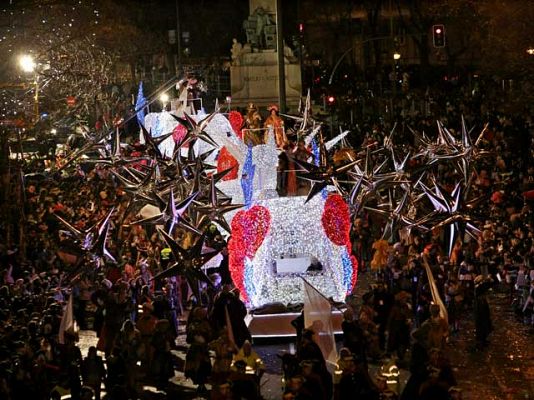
[(330, 99), (438, 35)]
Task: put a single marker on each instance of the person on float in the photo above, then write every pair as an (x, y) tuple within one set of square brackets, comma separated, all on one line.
[(277, 123), (253, 125)]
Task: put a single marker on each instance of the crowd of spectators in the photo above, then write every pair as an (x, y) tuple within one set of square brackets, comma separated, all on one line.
[(137, 318), (398, 315)]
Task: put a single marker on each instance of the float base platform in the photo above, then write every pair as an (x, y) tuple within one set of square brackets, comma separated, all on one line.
[(279, 325)]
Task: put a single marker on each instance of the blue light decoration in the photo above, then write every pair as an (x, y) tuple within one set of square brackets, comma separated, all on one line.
[(316, 159), (248, 278), (315, 152), (140, 105), (247, 178), (347, 270)]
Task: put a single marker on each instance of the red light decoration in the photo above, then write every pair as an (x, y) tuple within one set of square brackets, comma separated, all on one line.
[(249, 229), (236, 121), (336, 219), (225, 161), (178, 134), (336, 224)]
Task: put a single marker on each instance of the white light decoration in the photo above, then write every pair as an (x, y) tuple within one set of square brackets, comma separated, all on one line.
[(219, 128), (296, 227)]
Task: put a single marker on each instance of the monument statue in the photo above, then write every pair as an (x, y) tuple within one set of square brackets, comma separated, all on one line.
[(254, 66), (237, 49), (260, 30)]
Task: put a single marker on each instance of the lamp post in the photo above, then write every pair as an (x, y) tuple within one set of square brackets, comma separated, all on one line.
[(28, 65)]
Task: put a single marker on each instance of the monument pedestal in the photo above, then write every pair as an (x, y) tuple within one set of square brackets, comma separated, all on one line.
[(255, 80)]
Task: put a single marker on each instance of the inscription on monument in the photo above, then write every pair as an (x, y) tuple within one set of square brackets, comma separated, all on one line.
[(260, 78)]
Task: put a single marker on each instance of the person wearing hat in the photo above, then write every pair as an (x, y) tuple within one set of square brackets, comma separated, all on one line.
[(253, 123), (308, 349), (277, 124)]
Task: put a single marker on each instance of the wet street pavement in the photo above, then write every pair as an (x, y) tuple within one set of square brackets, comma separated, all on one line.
[(503, 371)]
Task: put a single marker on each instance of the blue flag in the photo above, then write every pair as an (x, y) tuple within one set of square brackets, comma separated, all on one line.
[(316, 160), (247, 177), (140, 105)]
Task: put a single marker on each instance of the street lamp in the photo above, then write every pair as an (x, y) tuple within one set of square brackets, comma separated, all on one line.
[(396, 56), (530, 51), (28, 65), (164, 98)]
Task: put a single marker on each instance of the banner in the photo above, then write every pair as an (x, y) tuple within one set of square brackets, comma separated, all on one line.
[(435, 293), (68, 324), (318, 317)]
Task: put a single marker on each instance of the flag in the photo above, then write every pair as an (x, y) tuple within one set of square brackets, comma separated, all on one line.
[(140, 105), (436, 298), (318, 317), (247, 177), (68, 324), (316, 161)]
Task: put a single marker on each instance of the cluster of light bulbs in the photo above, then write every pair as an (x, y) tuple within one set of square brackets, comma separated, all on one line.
[(296, 225)]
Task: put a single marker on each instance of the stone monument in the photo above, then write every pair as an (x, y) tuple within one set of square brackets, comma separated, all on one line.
[(254, 68)]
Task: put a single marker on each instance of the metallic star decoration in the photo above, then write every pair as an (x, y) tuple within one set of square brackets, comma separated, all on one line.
[(171, 214), (214, 209), (196, 130), (322, 174), (188, 263), (92, 241), (449, 212)]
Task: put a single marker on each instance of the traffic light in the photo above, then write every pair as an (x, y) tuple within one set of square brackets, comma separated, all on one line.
[(330, 100), (438, 35)]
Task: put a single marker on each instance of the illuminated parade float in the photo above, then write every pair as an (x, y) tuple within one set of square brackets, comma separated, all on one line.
[(275, 241)]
